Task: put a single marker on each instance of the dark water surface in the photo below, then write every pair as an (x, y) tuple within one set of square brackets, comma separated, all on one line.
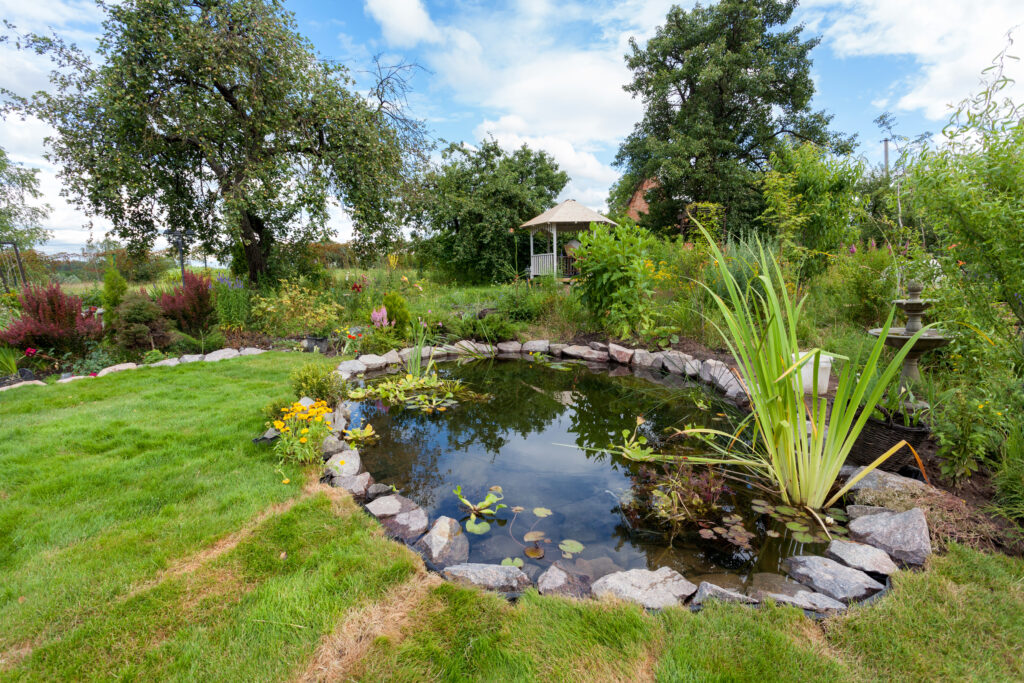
[(536, 438)]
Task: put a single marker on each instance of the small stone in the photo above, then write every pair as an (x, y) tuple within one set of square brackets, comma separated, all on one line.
[(645, 360), (251, 351), (377, 490), (879, 480), (509, 347), (166, 363), (557, 581), (373, 362), (350, 368), (493, 577), (399, 515), (866, 558), (556, 349), (121, 367), (344, 464), (191, 358), (904, 535), (270, 435), (222, 354), (652, 589), (357, 485), (826, 576), (598, 346), (620, 354), (586, 353), (707, 591), (855, 511), (445, 543), (536, 346)]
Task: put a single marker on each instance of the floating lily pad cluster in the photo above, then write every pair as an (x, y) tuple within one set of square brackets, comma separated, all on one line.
[(729, 529), (802, 527)]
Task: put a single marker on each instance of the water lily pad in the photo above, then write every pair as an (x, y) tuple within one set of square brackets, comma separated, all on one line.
[(517, 509), (786, 510), (534, 552), (512, 562), (837, 514), (570, 546), (541, 512), (797, 526), (803, 537), (533, 536), (762, 503), (760, 509), (772, 533), (720, 530), (567, 556), (478, 527), (706, 533), (732, 519)]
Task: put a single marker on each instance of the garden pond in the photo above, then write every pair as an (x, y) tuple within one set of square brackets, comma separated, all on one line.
[(541, 435)]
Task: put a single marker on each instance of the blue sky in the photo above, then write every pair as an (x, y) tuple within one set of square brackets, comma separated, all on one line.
[(549, 73)]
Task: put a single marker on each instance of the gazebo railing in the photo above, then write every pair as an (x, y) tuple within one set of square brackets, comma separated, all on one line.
[(544, 264)]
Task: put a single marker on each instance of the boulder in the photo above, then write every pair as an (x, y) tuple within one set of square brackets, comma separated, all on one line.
[(652, 589), (399, 515), (29, 383), (855, 511), (556, 349), (598, 346), (465, 347), (349, 369), (620, 354), (166, 363), (222, 354), (373, 362), (804, 599), (405, 354), (707, 591), (835, 580), (645, 360), (306, 402), (904, 535), (557, 581), (536, 346), (509, 347), (485, 349), (492, 577), (733, 582), (866, 558), (344, 464), (586, 353), (266, 437), (880, 480), (713, 371), (121, 367), (357, 485), (392, 358), (445, 543), (191, 358), (378, 490), (334, 444), (251, 351), (675, 362)]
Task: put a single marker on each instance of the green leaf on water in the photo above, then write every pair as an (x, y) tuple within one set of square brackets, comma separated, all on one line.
[(797, 526), (534, 553), (512, 562), (786, 510), (803, 537), (533, 536), (837, 514), (541, 512), (571, 546), (477, 527)]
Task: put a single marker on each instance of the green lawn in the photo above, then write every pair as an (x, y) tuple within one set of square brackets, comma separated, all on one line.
[(142, 536)]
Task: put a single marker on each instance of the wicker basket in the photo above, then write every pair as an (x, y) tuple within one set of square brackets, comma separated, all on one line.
[(877, 437)]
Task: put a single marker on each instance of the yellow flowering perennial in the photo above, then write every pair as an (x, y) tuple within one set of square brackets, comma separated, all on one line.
[(302, 431)]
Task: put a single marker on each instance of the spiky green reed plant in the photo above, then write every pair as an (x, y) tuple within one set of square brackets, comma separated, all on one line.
[(798, 445)]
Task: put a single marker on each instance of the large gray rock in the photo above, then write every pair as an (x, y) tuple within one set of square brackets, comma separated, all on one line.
[(445, 543), (167, 363), (708, 591), (406, 353), (804, 599), (191, 358), (620, 354), (557, 581), (586, 353), (880, 480), (904, 535), (373, 362), (378, 490), (645, 360), (306, 401), (556, 349), (399, 515), (334, 444), (835, 580), (466, 347), (714, 371), (492, 577), (350, 368), (866, 558), (251, 351), (485, 349), (392, 358), (855, 511), (652, 589), (222, 354), (121, 367), (344, 464), (536, 346), (357, 485), (676, 362), (598, 346), (509, 347)]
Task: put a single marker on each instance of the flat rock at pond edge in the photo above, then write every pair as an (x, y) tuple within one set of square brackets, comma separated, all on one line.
[(557, 581), (29, 383), (334, 444), (556, 349), (222, 354), (679, 363), (664, 587), (855, 511), (620, 354), (708, 591), (509, 347), (350, 368), (862, 556), (121, 367), (767, 585), (445, 544), (645, 360), (598, 346), (536, 346), (191, 358), (372, 362), (399, 515), (586, 353), (357, 485), (344, 464), (378, 490), (493, 577), (465, 346), (904, 535), (835, 580), (166, 363), (251, 351), (392, 358), (879, 480)]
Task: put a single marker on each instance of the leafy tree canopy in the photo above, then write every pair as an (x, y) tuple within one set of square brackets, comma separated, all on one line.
[(722, 87), (20, 212), (468, 207), (214, 116)]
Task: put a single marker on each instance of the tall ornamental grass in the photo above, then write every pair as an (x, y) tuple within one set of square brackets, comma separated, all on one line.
[(798, 443)]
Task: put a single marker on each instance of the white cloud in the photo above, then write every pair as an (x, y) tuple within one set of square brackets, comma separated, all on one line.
[(950, 40), (405, 23)]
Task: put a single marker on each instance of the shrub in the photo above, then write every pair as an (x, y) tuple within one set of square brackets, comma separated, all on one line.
[(303, 431), (94, 360), (295, 310), (398, 312), (232, 301), (525, 303), (140, 325), (51, 319), (190, 305), (380, 342), (318, 380), (181, 343), (492, 328), (1009, 475), (114, 287), (153, 356), (859, 287)]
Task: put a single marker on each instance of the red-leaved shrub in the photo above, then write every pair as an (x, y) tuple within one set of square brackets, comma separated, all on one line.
[(51, 319), (190, 305)]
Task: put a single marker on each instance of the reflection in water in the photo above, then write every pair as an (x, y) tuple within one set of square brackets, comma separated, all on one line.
[(532, 439)]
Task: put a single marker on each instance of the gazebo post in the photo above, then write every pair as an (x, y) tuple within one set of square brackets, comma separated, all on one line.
[(554, 249), (531, 254)]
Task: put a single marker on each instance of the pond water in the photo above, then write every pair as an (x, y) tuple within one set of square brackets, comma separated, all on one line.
[(540, 438)]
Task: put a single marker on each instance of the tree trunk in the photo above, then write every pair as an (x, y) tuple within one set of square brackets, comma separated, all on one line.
[(256, 245)]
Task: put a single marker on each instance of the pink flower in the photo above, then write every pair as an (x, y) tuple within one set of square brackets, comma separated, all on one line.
[(853, 249), (92, 374), (30, 351), (379, 317)]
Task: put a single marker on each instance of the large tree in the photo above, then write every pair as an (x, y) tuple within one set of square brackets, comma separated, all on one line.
[(21, 212), (214, 116), (468, 207), (723, 86)]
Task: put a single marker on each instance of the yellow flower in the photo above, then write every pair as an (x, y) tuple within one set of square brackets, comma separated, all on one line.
[(303, 440), (278, 425), (287, 429), (286, 481), (304, 431)]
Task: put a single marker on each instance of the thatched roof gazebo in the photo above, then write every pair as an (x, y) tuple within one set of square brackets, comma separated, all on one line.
[(568, 217)]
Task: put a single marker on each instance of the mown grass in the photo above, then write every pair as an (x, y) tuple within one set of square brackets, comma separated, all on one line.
[(143, 537)]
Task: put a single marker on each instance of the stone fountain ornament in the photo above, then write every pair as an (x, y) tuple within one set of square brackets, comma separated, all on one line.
[(914, 307)]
